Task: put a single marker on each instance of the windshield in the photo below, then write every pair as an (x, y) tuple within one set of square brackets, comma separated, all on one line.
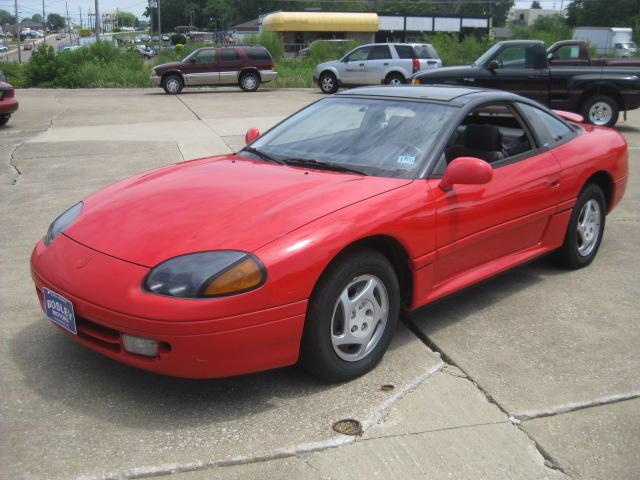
[(486, 56), (387, 138)]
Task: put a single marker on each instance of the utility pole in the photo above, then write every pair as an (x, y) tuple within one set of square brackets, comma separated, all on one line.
[(18, 33), (66, 5), (80, 11), (97, 22), (159, 23), (44, 25)]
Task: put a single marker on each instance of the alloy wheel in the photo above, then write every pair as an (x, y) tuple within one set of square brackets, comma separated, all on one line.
[(588, 227), (600, 113)]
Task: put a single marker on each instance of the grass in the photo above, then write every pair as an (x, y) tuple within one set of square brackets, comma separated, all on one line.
[(294, 73)]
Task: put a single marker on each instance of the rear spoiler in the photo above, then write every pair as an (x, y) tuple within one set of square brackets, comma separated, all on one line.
[(569, 116)]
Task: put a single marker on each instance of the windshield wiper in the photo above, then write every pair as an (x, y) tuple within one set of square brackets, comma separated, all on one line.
[(263, 155), (308, 162)]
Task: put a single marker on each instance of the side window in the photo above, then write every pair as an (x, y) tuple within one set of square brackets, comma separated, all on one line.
[(379, 52), (404, 51), (515, 57), (206, 56), (568, 52), (257, 53), (228, 54), (358, 55), (550, 130), (492, 133)]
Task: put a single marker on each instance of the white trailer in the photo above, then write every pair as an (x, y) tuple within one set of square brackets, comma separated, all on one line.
[(608, 41)]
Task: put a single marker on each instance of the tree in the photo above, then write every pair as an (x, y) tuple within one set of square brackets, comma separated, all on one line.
[(37, 18), (603, 13), (6, 18), (536, 5), (55, 21), (126, 19)]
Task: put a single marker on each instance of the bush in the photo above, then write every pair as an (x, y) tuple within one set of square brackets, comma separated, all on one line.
[(452, 51), (86, 32), (100, 64), (270, 40), (15, 74), (322, 51), (178, 39), (294, 73)]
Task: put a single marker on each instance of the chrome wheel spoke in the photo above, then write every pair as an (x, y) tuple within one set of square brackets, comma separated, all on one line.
[(588, 227), (359, 317)]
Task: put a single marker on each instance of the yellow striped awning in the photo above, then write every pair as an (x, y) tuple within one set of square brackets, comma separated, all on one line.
[(320, 22)]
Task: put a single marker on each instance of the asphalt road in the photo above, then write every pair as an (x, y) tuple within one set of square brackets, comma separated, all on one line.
[(12, 54), (531, 375)]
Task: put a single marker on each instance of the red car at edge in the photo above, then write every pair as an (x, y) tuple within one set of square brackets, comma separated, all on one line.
[(308, 244), (8, 102)]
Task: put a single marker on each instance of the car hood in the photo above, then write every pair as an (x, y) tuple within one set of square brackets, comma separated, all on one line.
[(323, 65), (224, 202), (449, 72), (165, 66)]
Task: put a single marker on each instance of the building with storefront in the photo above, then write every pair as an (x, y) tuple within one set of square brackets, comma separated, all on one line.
[(298, 29)]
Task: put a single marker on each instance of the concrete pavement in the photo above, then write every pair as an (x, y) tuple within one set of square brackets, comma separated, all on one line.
[(530, 375)]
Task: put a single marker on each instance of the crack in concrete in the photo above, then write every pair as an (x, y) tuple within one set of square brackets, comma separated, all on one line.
[(196, 115), (572, 407), (549, 460), (13, 164)]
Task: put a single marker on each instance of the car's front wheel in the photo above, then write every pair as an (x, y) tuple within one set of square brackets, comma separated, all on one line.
[(4, 119), (172, 84), (328, 83), (249, 82), (585, 230), (351, 317)]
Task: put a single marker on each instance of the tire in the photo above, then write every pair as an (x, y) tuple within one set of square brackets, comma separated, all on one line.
[(249, 81), (573, 253), (325, 352), (395, 79), (328, 83), (172, 84), (4, 119), (601, 110)]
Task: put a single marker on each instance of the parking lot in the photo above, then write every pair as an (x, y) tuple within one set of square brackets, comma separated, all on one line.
[(533, 374)]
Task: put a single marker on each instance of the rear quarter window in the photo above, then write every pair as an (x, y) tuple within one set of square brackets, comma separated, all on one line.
[(425, 51), (257, 53), (227, 54), (404, 51), (550, 130)]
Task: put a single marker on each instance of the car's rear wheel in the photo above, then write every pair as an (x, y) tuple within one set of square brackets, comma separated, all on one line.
[(4, 119), (172, 84), (585, 230), (249, 81), (328, 83), (601, 110), (351, 317), (395, 79)]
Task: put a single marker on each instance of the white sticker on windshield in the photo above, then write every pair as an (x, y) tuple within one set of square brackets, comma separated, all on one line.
[(406, 159)]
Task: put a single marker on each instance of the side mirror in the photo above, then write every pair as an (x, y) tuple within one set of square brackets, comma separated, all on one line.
[(466, 171), (493, 65), (251, 135)]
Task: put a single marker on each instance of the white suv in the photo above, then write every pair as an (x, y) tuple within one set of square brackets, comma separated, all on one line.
[(376, 64)]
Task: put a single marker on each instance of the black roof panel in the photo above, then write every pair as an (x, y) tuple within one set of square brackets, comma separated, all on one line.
[(438, 93)]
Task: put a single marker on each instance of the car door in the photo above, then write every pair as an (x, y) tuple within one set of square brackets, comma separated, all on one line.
[(229, 65), (202, 70), (479, 225), (353, 68), (377, 64), (519, 68)]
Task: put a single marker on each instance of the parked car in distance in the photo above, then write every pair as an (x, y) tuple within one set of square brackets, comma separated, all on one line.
[(165, 38), (3, 48), (306, 245), (570, 53), (27, 46), (598, 93), (376, 64), (8, 101), (245, 66), (145, 51)]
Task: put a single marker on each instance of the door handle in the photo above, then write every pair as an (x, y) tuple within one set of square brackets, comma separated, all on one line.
[(362, 64), (553, 184), (386, 64)]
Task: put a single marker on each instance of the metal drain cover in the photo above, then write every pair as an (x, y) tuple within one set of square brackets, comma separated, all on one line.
[(348, 426), (387, 388)]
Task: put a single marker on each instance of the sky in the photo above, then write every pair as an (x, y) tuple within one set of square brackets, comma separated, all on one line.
[(27, 8)]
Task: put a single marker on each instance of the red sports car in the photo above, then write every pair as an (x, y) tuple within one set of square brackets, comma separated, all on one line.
[(309, 243), (8, 102)]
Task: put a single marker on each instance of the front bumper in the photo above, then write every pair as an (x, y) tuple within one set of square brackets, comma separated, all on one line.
[(211, 347), (156, 81), (268, 75), (8, 105)]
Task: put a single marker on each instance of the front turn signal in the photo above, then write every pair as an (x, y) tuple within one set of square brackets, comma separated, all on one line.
[(245, 275), (415, 81)]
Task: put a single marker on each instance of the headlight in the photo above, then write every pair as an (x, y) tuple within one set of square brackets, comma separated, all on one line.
[(62, 222), (206, 274)]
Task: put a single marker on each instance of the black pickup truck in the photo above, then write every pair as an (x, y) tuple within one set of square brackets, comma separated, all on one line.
[(598, 93)]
